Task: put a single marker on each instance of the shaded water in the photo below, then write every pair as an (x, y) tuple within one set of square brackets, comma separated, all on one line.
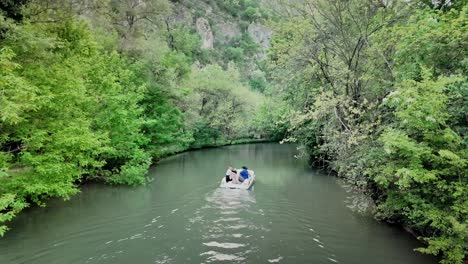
[(294, 214)]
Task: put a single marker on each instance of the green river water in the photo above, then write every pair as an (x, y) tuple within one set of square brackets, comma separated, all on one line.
[(293, 214)]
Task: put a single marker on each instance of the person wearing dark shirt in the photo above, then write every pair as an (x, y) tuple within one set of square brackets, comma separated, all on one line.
[(228, 174)]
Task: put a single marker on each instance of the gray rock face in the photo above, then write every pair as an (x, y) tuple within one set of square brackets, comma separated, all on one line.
[(260, 34), (204, 29), (227, 31), (182, 15)]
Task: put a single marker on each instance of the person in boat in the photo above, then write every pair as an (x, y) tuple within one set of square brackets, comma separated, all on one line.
[(228, 174), (235, 177), (244, 173)]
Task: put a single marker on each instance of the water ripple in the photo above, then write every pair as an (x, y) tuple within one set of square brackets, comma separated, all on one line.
[(223, 245)]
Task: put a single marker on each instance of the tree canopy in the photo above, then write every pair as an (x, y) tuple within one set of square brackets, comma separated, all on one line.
[(97, 90), (374, 91)]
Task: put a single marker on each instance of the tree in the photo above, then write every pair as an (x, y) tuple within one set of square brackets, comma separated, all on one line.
[(420, 168), (219, 104)]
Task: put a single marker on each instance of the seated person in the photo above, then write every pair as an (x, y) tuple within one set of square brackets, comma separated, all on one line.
[(228, 174), (244, 173), (234, 177), (239, 177)]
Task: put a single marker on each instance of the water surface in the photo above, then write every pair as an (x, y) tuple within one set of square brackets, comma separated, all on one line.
[(294, 214)]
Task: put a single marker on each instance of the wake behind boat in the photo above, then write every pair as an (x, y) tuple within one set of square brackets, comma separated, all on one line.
[(245, 185)]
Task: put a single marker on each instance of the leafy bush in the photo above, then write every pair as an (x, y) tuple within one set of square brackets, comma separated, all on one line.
[(258, 81), (235, 54), (420, 168)]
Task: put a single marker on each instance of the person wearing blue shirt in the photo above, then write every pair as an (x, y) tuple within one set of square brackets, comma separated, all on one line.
[(244, 173)]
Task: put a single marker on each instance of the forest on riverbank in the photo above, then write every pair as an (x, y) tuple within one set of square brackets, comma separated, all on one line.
[(373, 90), (378, 93), (97, 90)]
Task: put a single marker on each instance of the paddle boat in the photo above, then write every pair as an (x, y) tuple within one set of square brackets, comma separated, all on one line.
[(245, 185)]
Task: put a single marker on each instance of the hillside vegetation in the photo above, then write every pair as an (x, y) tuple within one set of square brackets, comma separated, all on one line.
[(374, 91)]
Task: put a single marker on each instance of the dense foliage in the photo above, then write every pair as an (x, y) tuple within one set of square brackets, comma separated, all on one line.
[(95, 90), (373, 90), (377, 92), (247, 9)]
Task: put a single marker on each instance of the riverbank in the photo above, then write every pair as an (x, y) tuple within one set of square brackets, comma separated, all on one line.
[(168, 153), (171, 152), (373, 194), (215, 144)]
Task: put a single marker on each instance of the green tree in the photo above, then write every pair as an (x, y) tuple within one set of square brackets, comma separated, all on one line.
[(375, 93), (421, 167), (220, 104)]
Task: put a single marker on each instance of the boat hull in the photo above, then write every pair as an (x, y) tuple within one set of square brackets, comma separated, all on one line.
[(244, 185)]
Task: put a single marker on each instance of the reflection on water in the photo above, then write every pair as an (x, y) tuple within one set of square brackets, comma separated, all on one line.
[(226, 226)]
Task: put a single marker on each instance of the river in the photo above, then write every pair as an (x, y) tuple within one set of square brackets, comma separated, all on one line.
[(293, 214)]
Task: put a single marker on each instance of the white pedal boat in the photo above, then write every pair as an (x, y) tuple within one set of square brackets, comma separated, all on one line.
[(245, 185)]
